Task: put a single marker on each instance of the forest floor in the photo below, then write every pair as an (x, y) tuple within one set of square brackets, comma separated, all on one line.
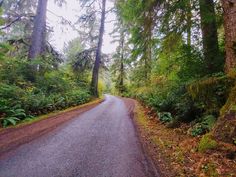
[(175, 153)]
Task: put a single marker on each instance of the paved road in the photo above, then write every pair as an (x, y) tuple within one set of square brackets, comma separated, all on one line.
[(99, 143)]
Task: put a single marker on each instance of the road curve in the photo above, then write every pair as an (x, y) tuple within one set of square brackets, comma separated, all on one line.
[(101, 142)]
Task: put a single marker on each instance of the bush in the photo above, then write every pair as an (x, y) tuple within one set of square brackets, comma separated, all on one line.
[(17, 102), (203, 126), (53, 82), (10, 115), (165, 117), (50, 91)]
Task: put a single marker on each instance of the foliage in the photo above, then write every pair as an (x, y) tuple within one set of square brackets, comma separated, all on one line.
[(206, 143), (11, 115), (165, 116), (52, 89), (203, 126), (211, 93)]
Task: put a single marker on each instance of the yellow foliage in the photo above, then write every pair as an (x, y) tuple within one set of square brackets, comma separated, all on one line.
[(232, 74), (206, 143), (203, 87), (101, 87)]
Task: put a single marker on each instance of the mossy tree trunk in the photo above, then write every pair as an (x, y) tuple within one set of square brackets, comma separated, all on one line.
[(209, 34), (225, 130), (229, 7)]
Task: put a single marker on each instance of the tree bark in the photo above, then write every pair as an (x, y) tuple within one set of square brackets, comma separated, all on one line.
[(148, 45), (94, 83), (1, 3), (37, 46), (189, 23), (209, 34), (121, 83), (229, 7)]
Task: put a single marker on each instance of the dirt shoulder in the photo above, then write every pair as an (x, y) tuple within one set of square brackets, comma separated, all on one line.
[(175, 153), (13, 137)]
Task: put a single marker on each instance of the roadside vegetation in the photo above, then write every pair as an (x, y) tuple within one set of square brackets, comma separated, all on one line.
[(52, 89), (178, 58), (176, 153), (33, 84)]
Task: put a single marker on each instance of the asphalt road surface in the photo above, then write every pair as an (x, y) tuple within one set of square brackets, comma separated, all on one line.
[(101, 142)]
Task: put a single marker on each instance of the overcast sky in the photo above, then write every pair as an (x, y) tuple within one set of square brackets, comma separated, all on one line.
[(63, 34)]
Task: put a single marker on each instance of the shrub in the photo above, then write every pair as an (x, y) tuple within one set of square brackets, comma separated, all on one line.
[(53, 82), (76, 97), (10, 115), (51, 91), (204, 126), (165, 116)]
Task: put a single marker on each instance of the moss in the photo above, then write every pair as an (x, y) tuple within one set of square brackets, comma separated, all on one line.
[(232, 74), (211, 93), (206, 143), (225, 129), (231, 102)]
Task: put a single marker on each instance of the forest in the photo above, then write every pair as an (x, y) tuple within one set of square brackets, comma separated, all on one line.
[(176, 57)]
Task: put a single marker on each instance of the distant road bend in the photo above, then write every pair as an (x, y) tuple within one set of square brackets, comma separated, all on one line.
[(101, 142)]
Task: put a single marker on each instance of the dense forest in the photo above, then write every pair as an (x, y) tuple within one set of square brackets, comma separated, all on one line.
[(177, 57)]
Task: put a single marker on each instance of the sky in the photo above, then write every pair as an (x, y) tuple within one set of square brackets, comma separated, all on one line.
[(62, 34)]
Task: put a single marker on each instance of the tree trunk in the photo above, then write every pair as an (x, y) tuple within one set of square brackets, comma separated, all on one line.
[(189, 23), (37, 46), (1, 3), (209, 34), (148, 45), (229, 7), (121, 83), (94, 83)]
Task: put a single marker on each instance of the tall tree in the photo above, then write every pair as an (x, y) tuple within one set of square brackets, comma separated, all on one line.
[(139, 17), (118, 67), (209, 34), (189, 22), (94, 82), (229, 7), (38, 38)]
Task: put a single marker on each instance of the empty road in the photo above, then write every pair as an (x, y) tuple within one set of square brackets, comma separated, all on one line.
[(101, 142)]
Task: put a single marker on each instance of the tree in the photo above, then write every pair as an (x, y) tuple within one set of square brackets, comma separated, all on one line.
[(209, 34), (38, 38), (229, 7), (18, 17), (72, 48), (94, 82), (118, 66), (139, 18)]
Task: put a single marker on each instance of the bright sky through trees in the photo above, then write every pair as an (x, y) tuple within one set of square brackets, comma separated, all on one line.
[(71, 10)]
